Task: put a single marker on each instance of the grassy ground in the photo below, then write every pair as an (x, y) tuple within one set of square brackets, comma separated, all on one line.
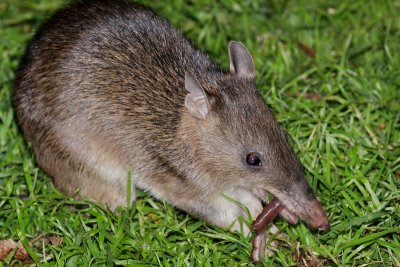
[(341, 109)]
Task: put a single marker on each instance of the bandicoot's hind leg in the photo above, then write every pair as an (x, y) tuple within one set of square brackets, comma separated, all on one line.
[(90, 173), (88, 185)]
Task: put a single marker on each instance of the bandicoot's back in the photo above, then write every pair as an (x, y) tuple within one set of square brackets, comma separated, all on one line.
[(98, 78)]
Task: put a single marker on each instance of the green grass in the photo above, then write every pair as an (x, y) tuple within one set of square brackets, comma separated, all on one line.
[(341, 109)]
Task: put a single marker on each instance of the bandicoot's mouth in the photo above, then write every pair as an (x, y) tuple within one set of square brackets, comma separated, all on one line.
[(312, 214), (288, 215)]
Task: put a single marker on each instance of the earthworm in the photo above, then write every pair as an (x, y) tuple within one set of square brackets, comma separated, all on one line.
[(268, 214)]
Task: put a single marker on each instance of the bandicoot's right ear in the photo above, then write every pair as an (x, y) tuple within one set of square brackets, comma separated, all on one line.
[(241, 62), (196, 100)]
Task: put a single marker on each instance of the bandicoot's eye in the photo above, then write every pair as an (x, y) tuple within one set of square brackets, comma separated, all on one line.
[(253, 159)]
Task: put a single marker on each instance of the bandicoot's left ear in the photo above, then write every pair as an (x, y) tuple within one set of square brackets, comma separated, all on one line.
[(196, 100), (241, 62)]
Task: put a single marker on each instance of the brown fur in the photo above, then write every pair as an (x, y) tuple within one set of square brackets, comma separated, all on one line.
[(101, 90)]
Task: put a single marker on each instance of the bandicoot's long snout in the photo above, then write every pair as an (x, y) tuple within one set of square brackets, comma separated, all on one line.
[(312, 213), (305, 207)]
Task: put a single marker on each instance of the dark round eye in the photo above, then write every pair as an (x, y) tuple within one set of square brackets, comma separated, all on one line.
[(253, 159)]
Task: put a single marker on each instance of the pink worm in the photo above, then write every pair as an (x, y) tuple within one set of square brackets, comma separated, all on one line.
[(268, 214)]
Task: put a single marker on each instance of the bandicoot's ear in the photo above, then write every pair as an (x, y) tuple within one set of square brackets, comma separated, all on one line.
[(196, 100), (241, 62)]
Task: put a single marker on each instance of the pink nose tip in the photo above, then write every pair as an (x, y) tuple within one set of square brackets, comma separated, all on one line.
[(324, 225), (318, 219)]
